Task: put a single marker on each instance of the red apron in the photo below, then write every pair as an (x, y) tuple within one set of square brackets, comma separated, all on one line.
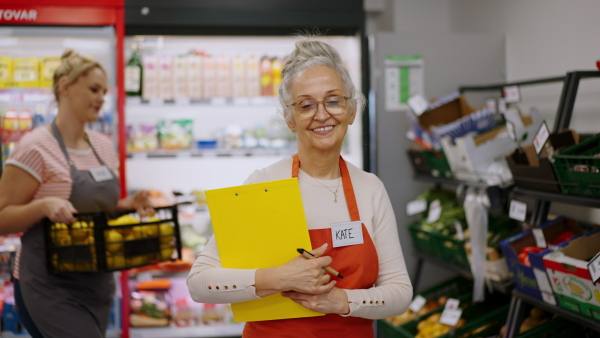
[(357, 263)]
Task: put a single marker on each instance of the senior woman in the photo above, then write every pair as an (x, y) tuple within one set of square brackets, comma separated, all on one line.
[(319, 103)]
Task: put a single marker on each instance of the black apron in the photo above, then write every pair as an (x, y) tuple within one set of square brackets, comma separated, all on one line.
[(69, 304)]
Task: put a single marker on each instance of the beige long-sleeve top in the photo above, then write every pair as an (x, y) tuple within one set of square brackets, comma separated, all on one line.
[(393, 284)]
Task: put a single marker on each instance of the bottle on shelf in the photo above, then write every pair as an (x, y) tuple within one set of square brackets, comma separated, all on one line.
[(134, 73)]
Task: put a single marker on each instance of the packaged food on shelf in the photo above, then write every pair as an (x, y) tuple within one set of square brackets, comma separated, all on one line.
[(150, 304), (6, 69), (95, 243), (570, 278), (48, 65), (175, 134), (524, 257), (535, 171), (26, 72), (578, 168)]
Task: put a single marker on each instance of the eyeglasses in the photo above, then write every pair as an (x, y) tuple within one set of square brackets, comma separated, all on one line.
[(334, 105)]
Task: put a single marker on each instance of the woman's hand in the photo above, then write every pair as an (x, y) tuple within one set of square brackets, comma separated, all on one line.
[(58, 210), (140, 202), (300, 274), (334, 301)]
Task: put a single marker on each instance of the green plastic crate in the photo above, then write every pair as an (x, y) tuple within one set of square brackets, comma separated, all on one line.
[(556, 328), (577, 168), (452, 288), (438, 164), (424, 241), (491, 313)]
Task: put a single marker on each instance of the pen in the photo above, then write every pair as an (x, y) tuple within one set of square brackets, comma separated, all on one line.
[(311, 256)]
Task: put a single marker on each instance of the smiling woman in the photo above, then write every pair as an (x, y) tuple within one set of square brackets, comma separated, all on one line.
[(319, 104)]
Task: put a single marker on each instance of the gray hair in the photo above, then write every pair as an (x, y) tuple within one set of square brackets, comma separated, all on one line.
[(310, 52)]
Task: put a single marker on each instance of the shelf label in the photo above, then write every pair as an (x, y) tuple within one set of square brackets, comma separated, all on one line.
[(241, 101), (156, 102), (218, 101), (541, 137), (511, 94), (183, 101), (549, 298), (540, 239), (452, 304), (518, 210), (594, 268), (133, 100), (491, 104), (459, 231), (512, 133), (451, 314), (435, 210), (542, 280), (417, 304), (415, 207), (418, 104)]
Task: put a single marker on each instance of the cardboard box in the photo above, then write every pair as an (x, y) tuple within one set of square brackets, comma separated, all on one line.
[(570, 278), (443, 111), (476, 158), (526, 278), (531, 171)]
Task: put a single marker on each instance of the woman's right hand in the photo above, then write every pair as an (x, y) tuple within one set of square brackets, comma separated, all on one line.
[(58, 210), (300, 275)]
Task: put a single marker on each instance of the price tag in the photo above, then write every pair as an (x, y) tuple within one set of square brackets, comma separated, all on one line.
[(541, 137), (452, 304), (435, 210), (417, 303), (549, 298), (540, 240), (501, 106), (241, 101), (416, 206), (594, 268), (418, 104), (459, 231), (518, 210), (511, 94), (542, 280), (510, 129), (143, 276), (183, 101), (491, 104), (450, 316), (218, 101)]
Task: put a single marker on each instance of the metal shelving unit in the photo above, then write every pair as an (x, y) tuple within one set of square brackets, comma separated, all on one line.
[(543, 199)]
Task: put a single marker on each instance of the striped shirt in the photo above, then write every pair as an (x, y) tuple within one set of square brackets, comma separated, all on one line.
[(39, 154)]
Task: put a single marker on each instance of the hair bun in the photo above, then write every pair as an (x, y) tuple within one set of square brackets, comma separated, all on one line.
[(67, 53)]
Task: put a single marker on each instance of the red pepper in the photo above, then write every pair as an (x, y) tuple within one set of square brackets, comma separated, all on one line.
[(535, 249), (565, 236)]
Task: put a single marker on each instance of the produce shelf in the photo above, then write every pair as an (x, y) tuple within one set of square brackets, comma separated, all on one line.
[(561, 198), (572, 316), (227, 330), (503, 287)]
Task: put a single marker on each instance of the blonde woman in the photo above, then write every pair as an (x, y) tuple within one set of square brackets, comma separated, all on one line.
[(55, 171)]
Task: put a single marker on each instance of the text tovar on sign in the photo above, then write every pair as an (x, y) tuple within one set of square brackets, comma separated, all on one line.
[(17, 15)]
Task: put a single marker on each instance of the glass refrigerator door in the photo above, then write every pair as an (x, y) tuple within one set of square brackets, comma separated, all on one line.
[(208, 114), (28, 58)]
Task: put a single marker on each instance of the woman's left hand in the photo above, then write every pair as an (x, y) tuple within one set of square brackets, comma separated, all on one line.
[(140, 201), (334, 301)]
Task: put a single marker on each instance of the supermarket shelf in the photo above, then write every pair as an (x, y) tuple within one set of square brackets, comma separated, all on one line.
[(258, 101), (503, 287), (229, 330), (451, 181), (572, 316), (242, 152), (114, 333), (561, 198)]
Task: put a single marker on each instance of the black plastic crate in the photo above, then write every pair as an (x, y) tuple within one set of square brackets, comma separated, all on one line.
[(95, 243)]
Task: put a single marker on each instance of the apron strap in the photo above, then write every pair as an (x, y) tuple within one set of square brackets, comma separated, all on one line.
[(346, 183), (63, 147)]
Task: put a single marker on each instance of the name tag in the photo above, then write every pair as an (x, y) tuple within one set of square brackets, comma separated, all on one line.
[(101, 174), (347, 233)]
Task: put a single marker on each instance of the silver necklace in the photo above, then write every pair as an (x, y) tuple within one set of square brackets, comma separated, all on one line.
[(326, 187)]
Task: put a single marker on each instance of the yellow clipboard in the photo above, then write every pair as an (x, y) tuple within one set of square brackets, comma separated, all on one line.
[(259, 226)]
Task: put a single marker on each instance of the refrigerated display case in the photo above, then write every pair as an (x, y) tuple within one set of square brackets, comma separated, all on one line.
[(33, 36), (206, 113)]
